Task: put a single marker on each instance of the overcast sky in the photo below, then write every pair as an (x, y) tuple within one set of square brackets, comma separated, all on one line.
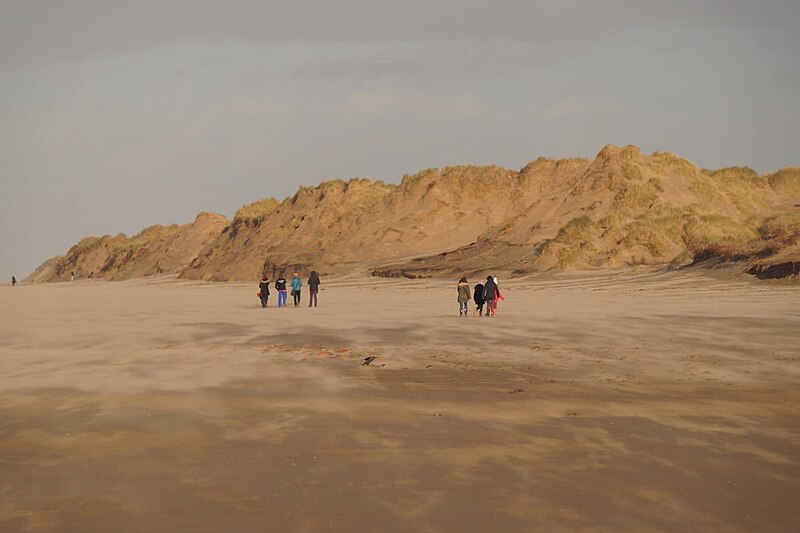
[(118, 115)]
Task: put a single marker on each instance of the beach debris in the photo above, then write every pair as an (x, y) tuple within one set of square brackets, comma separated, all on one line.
[(437, 414), (518, 390), (368, 360)]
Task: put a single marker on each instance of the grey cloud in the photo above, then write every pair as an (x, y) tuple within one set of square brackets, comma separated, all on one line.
[(56, 30), (430, 60)]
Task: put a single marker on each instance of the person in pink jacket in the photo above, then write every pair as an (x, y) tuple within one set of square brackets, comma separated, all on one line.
[(497, 297)]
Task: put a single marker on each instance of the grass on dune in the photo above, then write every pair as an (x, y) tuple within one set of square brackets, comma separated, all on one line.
[(256, 210), (786, 180), (779, 226), (671, 164)]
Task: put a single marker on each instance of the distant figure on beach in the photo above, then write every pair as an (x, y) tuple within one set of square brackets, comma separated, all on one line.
[(280, 286), (263, 290), (463, 297), (490, 295), (13, 281), (296, 284), (72, 275), (313, 288), (477, 296)]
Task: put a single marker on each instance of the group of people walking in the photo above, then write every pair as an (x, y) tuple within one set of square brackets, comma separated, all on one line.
[(296, 284), (487, 294), (484, 294)]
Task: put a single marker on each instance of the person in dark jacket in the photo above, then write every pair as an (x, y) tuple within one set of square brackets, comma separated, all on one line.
[(463, 297), (477, 296), (313, 288), (263, 290), (13, 281), (280, 286), (490, 295)]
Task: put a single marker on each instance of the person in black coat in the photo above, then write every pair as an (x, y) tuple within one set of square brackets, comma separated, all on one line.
[(477, 296), (313, 288), (490, 295), (263, 290)]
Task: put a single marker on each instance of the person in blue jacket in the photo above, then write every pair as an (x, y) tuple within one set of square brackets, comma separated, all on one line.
[(296, 284)]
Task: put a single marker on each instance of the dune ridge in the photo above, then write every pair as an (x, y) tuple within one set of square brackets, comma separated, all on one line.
[(622, 209), (154, 250)]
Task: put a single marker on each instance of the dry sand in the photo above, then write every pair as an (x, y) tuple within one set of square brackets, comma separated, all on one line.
[(645, 402)]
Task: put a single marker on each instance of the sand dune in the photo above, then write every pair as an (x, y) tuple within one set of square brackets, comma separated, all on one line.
[(622, 209), (617, 402)]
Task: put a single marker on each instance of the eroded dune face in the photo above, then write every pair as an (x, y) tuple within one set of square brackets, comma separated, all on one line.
[(623, 208), (154, 250)]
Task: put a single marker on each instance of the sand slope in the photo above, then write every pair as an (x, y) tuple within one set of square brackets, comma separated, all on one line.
[(638, 402), (625, 208), (154, 250)]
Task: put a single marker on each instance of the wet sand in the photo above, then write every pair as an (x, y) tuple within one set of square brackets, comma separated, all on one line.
[(640, 402)]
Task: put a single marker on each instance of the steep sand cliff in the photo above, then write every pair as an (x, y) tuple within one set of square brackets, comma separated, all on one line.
[(630, 209)]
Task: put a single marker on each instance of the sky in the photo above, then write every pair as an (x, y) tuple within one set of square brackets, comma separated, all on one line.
[(116, 115)]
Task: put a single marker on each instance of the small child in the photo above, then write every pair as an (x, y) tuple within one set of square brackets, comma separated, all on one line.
[(463, 297)]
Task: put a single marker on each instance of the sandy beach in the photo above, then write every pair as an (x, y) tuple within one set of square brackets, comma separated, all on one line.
[(638, 402)]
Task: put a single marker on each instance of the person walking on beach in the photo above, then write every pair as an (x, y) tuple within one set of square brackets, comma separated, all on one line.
[(490, 295), (280, 286), (72, 275), (296, 284), (497, 295), (13, 281), (477, 296), (263, 290), (313, 288), (463, 296)]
